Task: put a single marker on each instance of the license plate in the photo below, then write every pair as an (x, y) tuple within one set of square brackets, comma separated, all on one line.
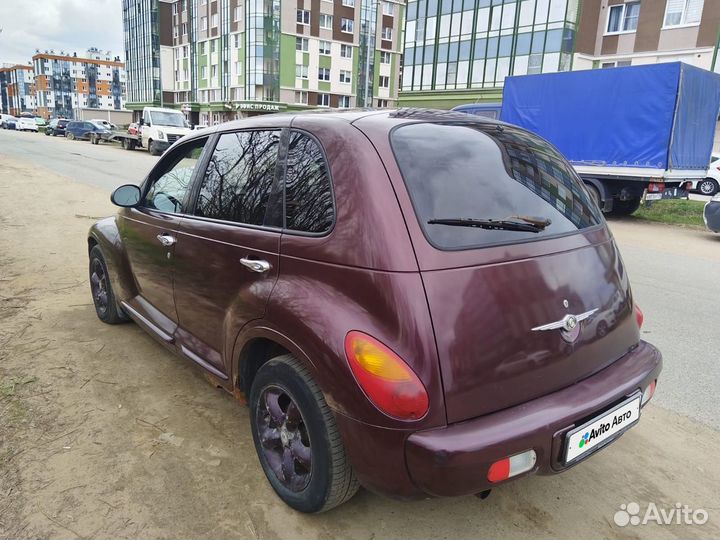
[(602, 429), (653, 196)]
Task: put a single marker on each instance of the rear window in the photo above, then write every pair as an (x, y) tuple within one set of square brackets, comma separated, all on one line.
[(486, 171)]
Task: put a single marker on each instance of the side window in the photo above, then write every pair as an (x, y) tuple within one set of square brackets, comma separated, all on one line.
[(308, 195), (239, 177), (170, 186)]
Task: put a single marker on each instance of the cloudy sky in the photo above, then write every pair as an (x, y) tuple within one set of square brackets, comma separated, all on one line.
[(68, 25)]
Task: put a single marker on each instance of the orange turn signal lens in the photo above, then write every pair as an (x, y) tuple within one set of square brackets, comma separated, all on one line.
[(385, 378)]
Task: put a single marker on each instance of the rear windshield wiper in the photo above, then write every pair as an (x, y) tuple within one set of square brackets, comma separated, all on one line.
[(534, 225)]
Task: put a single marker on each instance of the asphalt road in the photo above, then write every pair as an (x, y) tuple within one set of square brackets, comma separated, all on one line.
[(674, 272)]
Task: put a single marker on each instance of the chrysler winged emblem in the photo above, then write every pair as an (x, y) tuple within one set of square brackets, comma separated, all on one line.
[(569, 324)]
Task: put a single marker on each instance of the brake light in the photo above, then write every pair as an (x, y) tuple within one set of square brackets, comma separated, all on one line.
[(512, 466), (648, 393), (639, 317), (386, 379)]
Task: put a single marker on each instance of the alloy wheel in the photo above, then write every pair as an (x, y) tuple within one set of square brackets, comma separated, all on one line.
[(284, 438), (99, 287), (707, 187)]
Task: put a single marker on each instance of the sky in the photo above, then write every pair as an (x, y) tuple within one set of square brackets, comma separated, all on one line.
[(61, 25)]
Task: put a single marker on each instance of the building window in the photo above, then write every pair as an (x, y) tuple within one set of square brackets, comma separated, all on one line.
[(174, 9), (384, 81), (184, 29), (348, 3), (387, 33), (347, 25), (388, 9), (237, 41), (325, 21), (212, 46), (203, 72), (203, 23), (214, 20), (238, 13), (344, 102), (213, 72), (346, 51), (382, 103), (384, 57), (623, 18), (683, 12), (345, 76), (301, 44), (619, 63), (324, 74), (323, 100), (301, 97), (303, 16), (301, 72), (324, 47), (238, 67)]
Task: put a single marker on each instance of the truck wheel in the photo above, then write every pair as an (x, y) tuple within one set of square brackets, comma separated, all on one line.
[(296, 438), (153, 148), (708, 187), (624, 208)]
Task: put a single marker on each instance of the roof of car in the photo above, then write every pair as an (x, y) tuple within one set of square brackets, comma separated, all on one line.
[(349, 116)]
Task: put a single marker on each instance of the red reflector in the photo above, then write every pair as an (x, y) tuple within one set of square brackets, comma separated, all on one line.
[(500, 470), (639, 317)]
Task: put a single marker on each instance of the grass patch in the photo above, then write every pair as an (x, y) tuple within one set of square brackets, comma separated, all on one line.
[(674, 212)]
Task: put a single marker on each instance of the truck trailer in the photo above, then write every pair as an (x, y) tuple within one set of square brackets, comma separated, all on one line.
[(630, 132)]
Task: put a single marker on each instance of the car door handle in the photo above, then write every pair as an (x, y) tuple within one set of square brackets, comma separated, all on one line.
[(256, 265), (166, 239)]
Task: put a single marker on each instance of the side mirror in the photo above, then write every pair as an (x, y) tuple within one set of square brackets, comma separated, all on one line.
[(126, 196), (141, 122)]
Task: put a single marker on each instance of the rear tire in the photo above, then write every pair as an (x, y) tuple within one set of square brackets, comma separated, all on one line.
[(296, 438), (70, 136), (708, 186), (624, 208), (106, 306)]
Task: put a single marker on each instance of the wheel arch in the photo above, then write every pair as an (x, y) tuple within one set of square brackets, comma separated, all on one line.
[(106, 236)]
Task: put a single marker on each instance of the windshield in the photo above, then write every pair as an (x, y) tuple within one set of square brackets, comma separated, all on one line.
[(167, 119), (488, 172)]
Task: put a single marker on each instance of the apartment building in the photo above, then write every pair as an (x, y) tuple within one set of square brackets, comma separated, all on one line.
[(17, 89), (623, 33), (461, 51), (224, 59), (65, 83)]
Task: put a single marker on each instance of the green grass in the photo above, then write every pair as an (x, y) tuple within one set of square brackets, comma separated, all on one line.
[(673, 212)]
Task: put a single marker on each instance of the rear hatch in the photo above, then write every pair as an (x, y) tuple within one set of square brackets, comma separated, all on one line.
[(503, 287)]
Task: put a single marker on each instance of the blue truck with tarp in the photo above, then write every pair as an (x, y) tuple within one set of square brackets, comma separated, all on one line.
[(630, 132)]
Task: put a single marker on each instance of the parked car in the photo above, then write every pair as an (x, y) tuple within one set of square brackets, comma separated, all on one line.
[(134, 129), (56, 127), (711, 214), (40, 122), (81, 129), (402, 298), (104, 123), (6, 120), (711, 184), (26, 124)]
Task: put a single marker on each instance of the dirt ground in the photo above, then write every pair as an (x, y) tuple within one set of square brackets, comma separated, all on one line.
[(105, 434)]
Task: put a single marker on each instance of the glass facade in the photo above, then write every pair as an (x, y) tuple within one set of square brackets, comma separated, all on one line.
[(142, 50), (366, 51), (262, 46), (462, 44)]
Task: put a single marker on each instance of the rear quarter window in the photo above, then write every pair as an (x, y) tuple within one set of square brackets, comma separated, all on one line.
[(488, 171)]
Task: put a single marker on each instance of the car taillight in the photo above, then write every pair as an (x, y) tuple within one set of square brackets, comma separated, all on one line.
[(648, 392), (385, 378), (639, 317), (512, 466)]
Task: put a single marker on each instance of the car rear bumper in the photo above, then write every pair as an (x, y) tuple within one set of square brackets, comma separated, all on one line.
[(454, 460)]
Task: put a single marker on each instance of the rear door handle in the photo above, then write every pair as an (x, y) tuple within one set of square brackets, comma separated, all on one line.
[(256, 265), (166, 240)]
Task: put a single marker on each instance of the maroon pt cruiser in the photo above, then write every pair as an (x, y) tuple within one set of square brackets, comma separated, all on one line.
[(419, 302)]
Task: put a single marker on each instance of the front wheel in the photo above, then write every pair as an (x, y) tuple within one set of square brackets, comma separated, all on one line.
[(154, 148), (296, 438), (70, 136), (708, 187), (103, 296)]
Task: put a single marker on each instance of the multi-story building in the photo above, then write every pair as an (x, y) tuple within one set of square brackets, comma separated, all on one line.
[(17, 89), (623, 33), (224, 59), (461, 51), (65, 83)]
